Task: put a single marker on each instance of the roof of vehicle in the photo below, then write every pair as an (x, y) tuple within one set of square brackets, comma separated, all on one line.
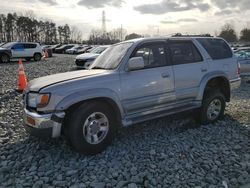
[(244, 48), (170, 38)]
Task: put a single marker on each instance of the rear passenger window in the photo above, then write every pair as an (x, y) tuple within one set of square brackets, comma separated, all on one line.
[(28, 46), (152, 54), (184, 52), (216, 48)]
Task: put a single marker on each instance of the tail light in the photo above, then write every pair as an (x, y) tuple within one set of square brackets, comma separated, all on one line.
[(238, 68)]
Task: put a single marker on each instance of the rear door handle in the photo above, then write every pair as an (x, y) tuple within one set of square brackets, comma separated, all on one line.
[(165, 75)]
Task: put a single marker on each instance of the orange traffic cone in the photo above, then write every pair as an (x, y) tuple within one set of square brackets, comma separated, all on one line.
[(22, 82), (46, 54)]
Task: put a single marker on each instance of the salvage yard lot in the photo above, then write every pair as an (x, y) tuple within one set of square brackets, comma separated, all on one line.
[(168, 152)]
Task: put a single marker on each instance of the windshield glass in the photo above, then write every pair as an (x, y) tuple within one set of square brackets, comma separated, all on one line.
[(99, 50), (111, 57), (8, 45)]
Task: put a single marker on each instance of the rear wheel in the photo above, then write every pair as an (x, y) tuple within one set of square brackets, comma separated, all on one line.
[(92, 128), (213, 107), (37, 57), (5, 58)]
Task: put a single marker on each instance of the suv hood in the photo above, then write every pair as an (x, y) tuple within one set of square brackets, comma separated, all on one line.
[(87, 56), (39, 83)]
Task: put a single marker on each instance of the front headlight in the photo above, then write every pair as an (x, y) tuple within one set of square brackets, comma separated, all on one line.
[(36, 100)]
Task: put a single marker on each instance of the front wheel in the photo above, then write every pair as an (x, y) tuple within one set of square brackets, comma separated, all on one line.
[(213, 107), (92, 128), (4, 58)]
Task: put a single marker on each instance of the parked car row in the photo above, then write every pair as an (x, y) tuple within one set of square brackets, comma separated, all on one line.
[(27, 50), (86, 59)]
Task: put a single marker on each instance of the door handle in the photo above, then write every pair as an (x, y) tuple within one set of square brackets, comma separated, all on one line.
[(165, 75), (203, 69)]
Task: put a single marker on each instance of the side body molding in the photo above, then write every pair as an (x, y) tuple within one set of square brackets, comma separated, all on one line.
[(206, 79), (90, 94)]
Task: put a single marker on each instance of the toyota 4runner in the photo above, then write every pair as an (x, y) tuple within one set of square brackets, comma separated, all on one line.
[(132, 82)]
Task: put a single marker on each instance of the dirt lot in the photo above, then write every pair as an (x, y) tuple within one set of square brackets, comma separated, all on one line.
[(168, 152)]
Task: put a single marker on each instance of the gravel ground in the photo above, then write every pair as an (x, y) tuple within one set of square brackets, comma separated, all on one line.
[(168, 152)]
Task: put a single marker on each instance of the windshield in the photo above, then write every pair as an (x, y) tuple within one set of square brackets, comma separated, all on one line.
[(8, 45), (99, 50), (111, 57)]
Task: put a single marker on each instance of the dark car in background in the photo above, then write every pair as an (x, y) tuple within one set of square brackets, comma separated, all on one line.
[(75, 49), (62, 49), (49, 49), (84, 50), (86, 59), (53, 47)]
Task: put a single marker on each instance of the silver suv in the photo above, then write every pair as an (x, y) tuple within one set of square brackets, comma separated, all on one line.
[(132, 82)]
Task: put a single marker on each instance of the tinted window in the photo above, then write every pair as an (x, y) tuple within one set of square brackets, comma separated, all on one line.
[(28, 45), (216, 48), (184, 52), (153, 55), (18, 46)]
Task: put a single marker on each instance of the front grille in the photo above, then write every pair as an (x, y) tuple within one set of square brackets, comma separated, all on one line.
[(80, 62)]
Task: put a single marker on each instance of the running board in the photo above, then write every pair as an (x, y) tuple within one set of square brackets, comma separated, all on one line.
[(141, 118)]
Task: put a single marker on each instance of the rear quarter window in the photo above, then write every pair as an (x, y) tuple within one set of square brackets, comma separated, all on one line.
[(29, 46), (216, 48)]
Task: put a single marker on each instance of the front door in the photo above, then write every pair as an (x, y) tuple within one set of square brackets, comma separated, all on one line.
[(152, 87), (17, 50)]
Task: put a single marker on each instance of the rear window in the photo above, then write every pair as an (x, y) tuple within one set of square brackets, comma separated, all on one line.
[(29, 45), (216, 48)]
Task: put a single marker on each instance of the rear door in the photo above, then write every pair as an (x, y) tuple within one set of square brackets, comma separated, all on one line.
[(189, 68), (152, 87), (29, 49), (221, 56)]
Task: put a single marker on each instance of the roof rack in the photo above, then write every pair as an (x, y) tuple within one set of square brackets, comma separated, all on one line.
[(180, 35)]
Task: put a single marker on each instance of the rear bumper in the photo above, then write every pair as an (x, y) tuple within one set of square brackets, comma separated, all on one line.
[(235, 83), (43, 125)]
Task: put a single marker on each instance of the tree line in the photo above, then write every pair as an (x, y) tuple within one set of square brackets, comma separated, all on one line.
[(228, 33), (26, 27)]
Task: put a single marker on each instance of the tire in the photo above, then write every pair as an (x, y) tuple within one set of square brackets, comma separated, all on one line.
[(84, 130), (213, 107), (4, 58), (37, 57)]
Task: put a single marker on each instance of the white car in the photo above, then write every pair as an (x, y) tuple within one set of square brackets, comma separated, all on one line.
[(86, 59), (27, 50)]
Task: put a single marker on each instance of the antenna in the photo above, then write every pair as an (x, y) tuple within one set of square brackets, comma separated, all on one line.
[(103, 22)]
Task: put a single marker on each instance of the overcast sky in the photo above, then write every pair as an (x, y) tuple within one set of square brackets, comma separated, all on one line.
[(143, 17)]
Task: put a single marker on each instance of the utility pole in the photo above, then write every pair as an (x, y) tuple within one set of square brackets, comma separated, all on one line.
[(103, 23), (121, 33)]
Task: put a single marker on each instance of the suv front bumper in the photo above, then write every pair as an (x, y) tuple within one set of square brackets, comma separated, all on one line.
[(43, 125), (235, 83)]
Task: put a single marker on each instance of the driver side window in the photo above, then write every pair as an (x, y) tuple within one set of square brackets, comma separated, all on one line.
[(153, 55)]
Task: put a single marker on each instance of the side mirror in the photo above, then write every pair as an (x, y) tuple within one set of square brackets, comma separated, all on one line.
[(135, 63)]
